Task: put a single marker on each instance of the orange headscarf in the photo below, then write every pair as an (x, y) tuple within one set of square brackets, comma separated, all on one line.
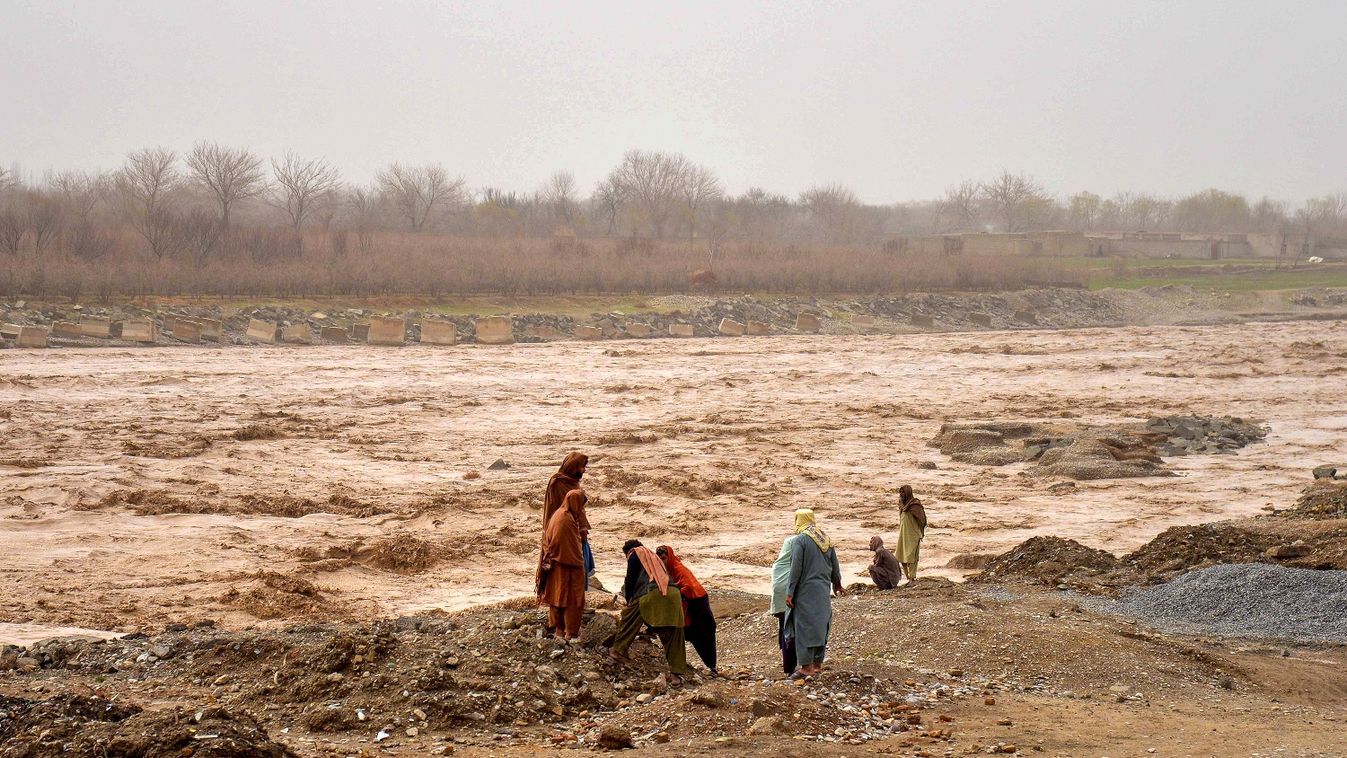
[(654, 568), (680, 575)]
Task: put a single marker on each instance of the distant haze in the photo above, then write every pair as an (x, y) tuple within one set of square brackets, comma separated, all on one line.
[(895, 100)]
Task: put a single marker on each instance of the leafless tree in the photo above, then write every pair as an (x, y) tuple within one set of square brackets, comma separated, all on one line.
[(1084, 209), (559, 195), (1015, 197), (144, 184), (835, 207), (608, 201), (231, 175), (13, 228), (44, 219), (416, 191), (196, 233), (963, 204), (653, 182), (7, 180), (700, 188), (80, 192), (302, 186), (362, 204)]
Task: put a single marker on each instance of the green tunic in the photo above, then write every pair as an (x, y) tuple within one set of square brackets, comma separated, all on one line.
[(909, 538)]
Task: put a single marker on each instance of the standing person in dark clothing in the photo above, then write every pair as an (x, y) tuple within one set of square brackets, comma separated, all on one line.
[(698, 620), (781, 588), (651, 602)]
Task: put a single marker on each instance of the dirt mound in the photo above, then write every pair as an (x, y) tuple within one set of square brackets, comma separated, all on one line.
[(271, 595), (1048, 560), (970, 561), (401, 554), (762, 554), (1187, 547), (1324, 499), (1089, 459)]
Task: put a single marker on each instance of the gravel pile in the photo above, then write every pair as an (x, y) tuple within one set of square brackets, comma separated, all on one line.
[(1244, 600)]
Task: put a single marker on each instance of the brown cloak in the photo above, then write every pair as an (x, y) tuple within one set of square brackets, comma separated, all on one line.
[(562, 583), (908, 503), (566, 479)]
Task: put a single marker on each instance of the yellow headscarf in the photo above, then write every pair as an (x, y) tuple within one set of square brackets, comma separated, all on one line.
[(804, 524)]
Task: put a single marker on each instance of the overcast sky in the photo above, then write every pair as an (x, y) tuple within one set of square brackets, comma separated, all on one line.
[(896, 100)]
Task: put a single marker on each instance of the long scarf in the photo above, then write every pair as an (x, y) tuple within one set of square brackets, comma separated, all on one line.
[(804, 524), (654, 568), (681, 576)]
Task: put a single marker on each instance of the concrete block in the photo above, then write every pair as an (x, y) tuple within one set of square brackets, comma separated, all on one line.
[(544, 332), (185, 330), (981, 319), (31, 336), (140, 330), (494, 330), (387, 330), (261, 331), (863, 322), (66, 330), (682, 330), (10, 331), (759, 328), (439, 333), (91, 326), (923, 322), (1026, 317), (360, 332), (731, 328), (637, 329), (297, 334), (588, 333), (211, 329), (334, 334), (807, 322)]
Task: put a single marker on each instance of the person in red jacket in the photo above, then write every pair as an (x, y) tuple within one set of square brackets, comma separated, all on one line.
[(699, 621)]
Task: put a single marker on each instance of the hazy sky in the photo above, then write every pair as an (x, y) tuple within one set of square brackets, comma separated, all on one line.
[(897, 100)]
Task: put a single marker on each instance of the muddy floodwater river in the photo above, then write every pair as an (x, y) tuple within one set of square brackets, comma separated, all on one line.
[(250, 484)]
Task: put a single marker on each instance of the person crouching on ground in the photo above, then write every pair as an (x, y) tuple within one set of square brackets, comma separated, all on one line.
[(814, 576), (699, 623), (911, 530), (561, 574), (650, 601), (884, 570)]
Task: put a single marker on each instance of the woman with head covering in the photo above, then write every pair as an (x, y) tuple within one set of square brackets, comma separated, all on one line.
[(561, 575), (651, 601), (699, 622), (781, 588), (566, 479), (911, 530), (814, 575)]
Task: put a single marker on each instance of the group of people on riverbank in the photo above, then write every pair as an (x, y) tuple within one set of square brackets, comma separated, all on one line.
[(660, 593)]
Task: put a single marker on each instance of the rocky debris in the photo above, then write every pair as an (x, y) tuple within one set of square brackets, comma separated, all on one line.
[(498, 465), (1183, 548), (1330, 472), (1324, 499), (615, 738), (1051, 561), (1186, 435), (1244, 600)]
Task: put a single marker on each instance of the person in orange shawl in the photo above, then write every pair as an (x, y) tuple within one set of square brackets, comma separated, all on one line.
[(561, 575), (699, 623), (653, 601)]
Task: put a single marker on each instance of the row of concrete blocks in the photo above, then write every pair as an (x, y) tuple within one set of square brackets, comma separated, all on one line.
[(134, 330)]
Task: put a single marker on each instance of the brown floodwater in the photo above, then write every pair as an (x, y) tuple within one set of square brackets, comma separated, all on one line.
[(705, 444)]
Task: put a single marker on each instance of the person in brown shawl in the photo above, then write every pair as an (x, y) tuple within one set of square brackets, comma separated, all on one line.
[(561, 575), (911, 530), (884, 571), (566, 479)]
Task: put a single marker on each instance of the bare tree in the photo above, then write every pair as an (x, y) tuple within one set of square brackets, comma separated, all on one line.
[(835, 207), (7, 180), (362, 204), (44, 220), (230, 174), (653, 181), (144, 184), (302, 186), (559, 195), (963, 203), (13, 228), (608, 201), (1084, 209), (1015, 197), (416, 191), (79, 192), (700, 188)]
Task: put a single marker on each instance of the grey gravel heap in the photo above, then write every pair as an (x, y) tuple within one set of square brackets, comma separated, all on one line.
[(1254, 600)]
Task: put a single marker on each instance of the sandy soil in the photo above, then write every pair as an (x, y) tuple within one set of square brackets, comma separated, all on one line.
[(141, 487)]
